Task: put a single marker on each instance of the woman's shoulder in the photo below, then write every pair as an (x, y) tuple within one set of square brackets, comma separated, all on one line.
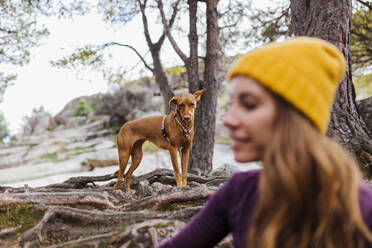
[(244, 180), (365, 193), (243, 175), (365, 201)]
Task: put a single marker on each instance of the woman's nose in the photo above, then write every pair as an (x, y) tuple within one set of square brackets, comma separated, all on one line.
[(229, 120)]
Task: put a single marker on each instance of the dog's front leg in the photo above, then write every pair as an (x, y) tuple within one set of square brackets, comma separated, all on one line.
[(185, 154), (177, 176)]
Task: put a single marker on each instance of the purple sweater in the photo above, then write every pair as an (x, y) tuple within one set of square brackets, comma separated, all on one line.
[(230, 210)]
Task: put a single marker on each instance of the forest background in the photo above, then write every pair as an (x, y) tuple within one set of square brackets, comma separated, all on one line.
[(176, 35)]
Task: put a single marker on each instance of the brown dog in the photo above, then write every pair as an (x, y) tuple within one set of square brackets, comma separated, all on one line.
[(173, 132)]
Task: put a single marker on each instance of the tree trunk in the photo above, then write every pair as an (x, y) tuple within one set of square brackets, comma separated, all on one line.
[(160, 75), (205, 117), (330, 20), (192, 62), (161, 78)]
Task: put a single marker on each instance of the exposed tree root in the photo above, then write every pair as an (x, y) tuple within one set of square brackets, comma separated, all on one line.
[(37, 230), (79, 213), (154, 202), (88, 199), (81, 182), (85, 217)]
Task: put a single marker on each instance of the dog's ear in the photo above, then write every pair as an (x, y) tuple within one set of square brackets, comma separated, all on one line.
[(173, 100), (198, 94)]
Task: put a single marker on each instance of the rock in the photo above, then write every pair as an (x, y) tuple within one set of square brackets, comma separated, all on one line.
[(85, 145), (44, 151), (12, 160), (98, 118), (68, 111), (160, 188), (4, 151), (123, 104), (226, 170), (101, 158), (99, 124), (144, 189), (95, 135), (106, 144), (74, 122), (37, 124)]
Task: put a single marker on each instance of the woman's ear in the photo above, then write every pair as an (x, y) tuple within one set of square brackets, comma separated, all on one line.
[(173, 100), (198, 94)]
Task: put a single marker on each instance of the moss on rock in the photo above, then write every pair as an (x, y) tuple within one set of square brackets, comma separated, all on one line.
[(23, 215)]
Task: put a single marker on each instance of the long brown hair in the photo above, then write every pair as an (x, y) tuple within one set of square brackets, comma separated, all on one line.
[(308, 190)]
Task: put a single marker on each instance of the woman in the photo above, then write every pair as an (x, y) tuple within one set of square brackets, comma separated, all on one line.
[(309, 192)]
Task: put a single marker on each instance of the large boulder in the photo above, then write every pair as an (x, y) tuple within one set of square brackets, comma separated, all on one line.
[(75, 121), (37, 124), (65, 115), (126, 104)]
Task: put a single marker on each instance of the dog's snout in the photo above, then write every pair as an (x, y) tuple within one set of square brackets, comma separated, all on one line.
[(187, 117)]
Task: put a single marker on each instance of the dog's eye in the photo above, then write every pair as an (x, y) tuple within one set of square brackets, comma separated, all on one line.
[(182, 105), (192, 104)]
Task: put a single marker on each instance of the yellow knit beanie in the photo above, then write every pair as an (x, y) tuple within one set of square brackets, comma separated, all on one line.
[(305, 71)]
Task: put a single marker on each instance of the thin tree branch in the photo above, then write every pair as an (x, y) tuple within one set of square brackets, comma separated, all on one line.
[(8, 31), (229, 26), (171, 22), (169, 35), (145, 24), (133, 49), (368, 5)]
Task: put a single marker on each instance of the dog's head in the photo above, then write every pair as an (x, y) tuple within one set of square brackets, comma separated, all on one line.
[(186, 104)]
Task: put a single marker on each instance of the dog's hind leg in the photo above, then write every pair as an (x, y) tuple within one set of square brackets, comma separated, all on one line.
[(123, 161), (137, 154)]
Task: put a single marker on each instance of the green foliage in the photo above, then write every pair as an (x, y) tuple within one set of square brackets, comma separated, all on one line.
[(274, 23), (361, 36), (4, 131), (50, 157), (118, 11), (363, 86), (37, 110), (150, 147), (92, 58), (96, 99), (270, 24), (86, 56), (83, 109), (5, 81), (19, 32), (221, 139), (176, 70)]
